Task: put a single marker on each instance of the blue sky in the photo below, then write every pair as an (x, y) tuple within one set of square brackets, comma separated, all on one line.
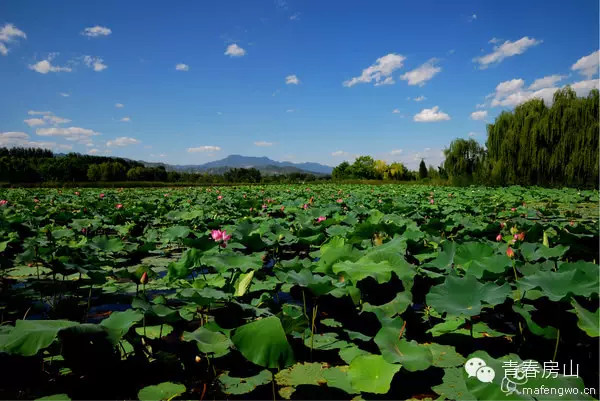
[(188, 82)]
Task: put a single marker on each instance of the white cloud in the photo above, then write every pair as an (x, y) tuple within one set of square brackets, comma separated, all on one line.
[(494, 40), (263, 143), (119, 105), (47, 118), (479, 115), (32, 122), (420, 98), (9, 33), (122, 141), (340, 153), (21, 139), (431, 115), (422, 74), (582, 88), (473, 17), (292, 80), (206, 148), (45, 66), (94, 62), (79, 134), (182, 67), (472, 134), (93, 151), (506, 49), (396, 111), (512, 93), (295, 16), (380, 72), (546, 82), (64, 94), (96, 31), (588, 65), (125, 119), (233, 50), (56, 120), (290, 110), (396, 152)]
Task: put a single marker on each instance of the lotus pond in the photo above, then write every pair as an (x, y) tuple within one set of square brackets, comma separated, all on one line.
[(290, 292)]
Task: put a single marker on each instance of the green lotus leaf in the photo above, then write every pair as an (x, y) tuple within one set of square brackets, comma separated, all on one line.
[(119, 323), (586, 320), (242, 385), (28, 337), (243, 283), (154, 332), (161, 392), (469, 252), (317, 374), (105, 244), (264, 343), (209, 342), (227, 261), (372, 374), (176, 232), (394, 349), (55, 397), (465, 295)]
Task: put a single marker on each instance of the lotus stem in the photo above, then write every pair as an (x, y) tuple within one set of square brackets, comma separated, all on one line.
[(556, 345)]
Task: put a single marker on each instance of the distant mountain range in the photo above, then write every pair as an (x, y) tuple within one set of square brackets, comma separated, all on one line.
[(263, 164)]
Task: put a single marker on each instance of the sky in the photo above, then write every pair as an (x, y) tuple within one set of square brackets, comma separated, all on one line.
[(187, 82)]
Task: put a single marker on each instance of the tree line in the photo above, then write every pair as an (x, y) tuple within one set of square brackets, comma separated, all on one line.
[(32, 165), (532, 145)]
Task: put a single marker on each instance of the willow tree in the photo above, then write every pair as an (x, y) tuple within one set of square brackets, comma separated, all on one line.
[(464, 161), (540, 145)]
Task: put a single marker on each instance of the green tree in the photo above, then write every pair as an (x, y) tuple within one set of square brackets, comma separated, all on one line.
[(422, 170)]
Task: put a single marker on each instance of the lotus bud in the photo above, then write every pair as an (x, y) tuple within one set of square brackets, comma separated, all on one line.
[(144, 278), (545, 241), (510, 253)]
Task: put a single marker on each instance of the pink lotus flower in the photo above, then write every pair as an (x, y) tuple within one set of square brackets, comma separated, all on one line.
[(512, 209), (166, 195), (264, 206), (77, 193), (220, 197), (502, 225), (499, 237), (521, 236), (431, 201), (510, 253), (321, 218), (101, 196), (218, 236), (36, 200), (3, 202), (339, 200), (83, 231), (380, 201), (305, 206), (119, 206), (571, 223)]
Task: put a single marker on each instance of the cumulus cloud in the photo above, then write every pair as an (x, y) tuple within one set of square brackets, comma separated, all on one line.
[(32, 122), (96, 63), (431, 115), (95, 31), (380, 72), (93, 151), (292, 80), (8, 34), (125, 119), (396, 111), (512, 93), (396, 152), (422, 74), (588, 65), (233, 50), (263, 143), (506, 49), (206, 148), (64, 94), (340, 153), (21, 139), (479, 115), (79, 134), (122, 141), (119, 105), (47, 118), (182, 67), (546, 82), (45, 66), (420, 98)]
